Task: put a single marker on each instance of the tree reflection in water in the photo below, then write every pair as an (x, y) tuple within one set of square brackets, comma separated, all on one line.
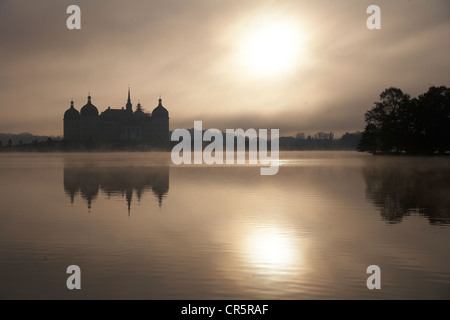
[(399, 191)]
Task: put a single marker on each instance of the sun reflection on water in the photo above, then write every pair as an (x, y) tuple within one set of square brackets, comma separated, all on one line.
[(273, 251)]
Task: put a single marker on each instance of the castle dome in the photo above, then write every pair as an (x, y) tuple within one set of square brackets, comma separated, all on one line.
[(160, 111), (71, 113), (89, 109), (139, 112)]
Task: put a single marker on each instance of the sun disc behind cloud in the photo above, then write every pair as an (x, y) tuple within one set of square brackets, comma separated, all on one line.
[(271, 47)]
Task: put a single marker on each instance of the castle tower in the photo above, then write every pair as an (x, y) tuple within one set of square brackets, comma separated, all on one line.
[(71, 124), (160, 123), (89, 122)]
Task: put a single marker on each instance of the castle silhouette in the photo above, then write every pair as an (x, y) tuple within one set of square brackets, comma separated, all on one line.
[(116, 126)]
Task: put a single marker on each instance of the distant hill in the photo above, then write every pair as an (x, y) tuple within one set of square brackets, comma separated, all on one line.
[(24, 138)]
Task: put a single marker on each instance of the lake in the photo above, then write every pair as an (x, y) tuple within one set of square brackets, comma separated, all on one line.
[(140, 227)]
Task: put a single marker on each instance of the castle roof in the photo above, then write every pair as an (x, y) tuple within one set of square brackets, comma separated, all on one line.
[(160, 111), (89, 109), (139, 112), (114, 114), (71, 113)]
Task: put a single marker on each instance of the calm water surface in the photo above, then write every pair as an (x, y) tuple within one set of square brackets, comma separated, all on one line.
[(142, 228)]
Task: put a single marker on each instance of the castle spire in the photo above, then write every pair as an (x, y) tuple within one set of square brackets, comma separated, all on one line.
[(129, 106)]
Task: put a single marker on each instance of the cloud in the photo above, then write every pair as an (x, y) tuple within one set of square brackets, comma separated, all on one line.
[(183, 50)]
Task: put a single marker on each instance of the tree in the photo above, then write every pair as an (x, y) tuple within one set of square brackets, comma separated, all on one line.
[(370, 141), (300, 136), (9, 143), (398, 123), (435, 125), (323, 136), (350, 140), (386, 119), (384, 123)]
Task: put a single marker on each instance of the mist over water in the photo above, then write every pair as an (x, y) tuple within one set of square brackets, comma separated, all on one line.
[(140, 227)]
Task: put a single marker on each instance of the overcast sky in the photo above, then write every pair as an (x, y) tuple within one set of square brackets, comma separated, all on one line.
[(202, 57)]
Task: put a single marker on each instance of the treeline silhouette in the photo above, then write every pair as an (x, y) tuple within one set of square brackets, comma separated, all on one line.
[(401, 124), (49, 144), (8, 140), (320, 141)]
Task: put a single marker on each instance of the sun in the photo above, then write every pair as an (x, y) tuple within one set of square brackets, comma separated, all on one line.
[(271, 47)]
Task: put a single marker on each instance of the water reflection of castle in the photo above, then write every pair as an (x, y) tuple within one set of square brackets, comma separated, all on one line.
[(116, 182)]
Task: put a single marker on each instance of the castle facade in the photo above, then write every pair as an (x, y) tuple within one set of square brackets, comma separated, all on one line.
[(117, 126)]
